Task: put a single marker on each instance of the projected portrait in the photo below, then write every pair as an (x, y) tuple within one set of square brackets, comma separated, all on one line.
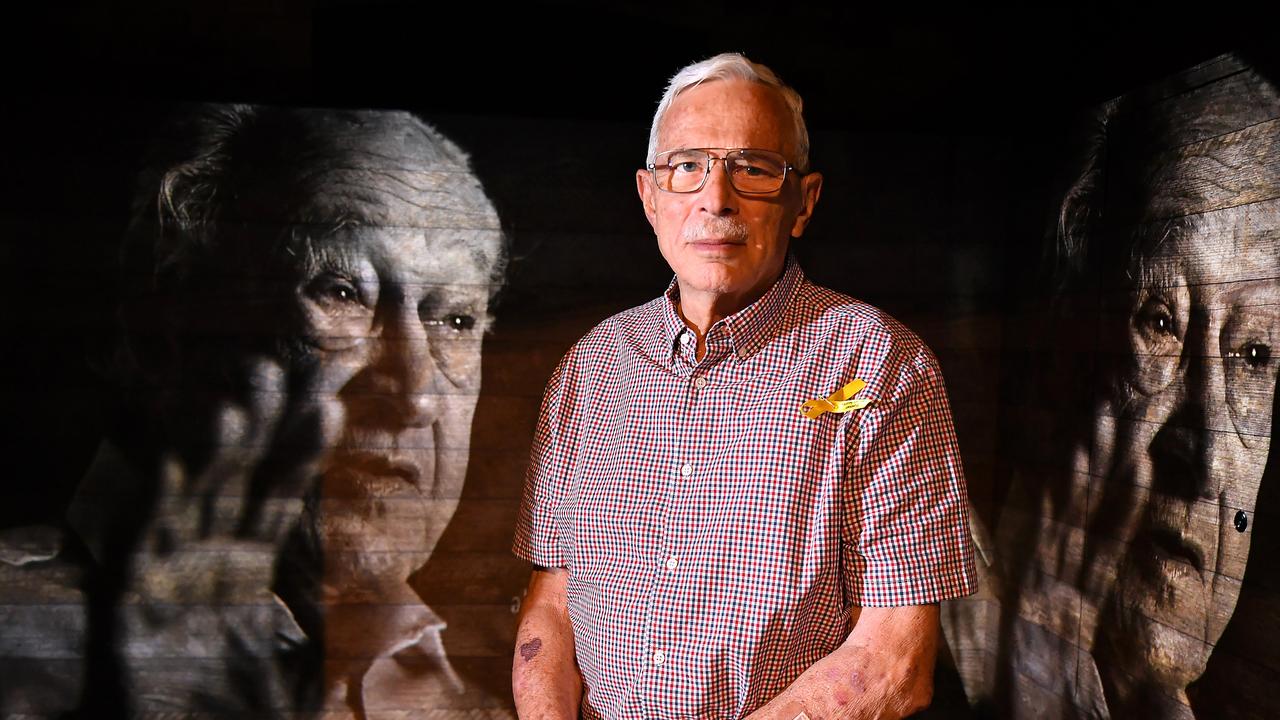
[(303, 299), (1171, 241)]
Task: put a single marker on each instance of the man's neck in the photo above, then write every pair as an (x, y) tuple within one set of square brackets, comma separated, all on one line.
[(701, 310)]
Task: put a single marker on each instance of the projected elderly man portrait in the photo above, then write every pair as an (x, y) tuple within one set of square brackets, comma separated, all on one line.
[(305, 296), (1178, 216)]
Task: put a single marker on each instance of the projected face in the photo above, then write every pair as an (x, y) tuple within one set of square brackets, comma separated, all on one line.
[(1193, 428), (305, 297), (404, 304)]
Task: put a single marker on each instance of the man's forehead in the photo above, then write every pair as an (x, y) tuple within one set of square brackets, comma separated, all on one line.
[(429, 254), (442, 197), (727, 107)]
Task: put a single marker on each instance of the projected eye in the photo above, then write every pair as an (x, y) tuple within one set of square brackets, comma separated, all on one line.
[(1154, 318), (333, 290), (1255, 355), (1154, 342), (459, 322), (343, 293)]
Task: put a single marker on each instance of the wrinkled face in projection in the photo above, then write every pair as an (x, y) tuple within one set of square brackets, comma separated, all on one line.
[(400, 298), (1194, 427)]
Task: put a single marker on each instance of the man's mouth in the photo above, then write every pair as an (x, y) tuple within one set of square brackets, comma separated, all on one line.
[(717, 231), (363, 467), (1170, 545)]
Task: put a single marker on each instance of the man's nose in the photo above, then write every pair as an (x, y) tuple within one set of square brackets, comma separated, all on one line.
[(718, 195), (401, 377), (1192, 447)]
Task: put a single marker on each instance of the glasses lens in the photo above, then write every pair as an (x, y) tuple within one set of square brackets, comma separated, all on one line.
[(756, 171), (682, 171)]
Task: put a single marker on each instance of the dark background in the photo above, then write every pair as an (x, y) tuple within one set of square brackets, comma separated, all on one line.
[(858, 68)]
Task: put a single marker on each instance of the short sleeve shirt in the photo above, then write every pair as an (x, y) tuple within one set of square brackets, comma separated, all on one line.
[(715, 538)]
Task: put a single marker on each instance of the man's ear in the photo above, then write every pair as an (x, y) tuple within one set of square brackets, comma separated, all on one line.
[(645, 186), (810, 189)]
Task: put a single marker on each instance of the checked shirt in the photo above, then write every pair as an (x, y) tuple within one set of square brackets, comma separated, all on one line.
[(715, 538)]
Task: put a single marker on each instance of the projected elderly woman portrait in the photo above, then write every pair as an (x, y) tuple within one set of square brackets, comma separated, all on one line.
[(305, 295), (1188, 425), (1142, 553)]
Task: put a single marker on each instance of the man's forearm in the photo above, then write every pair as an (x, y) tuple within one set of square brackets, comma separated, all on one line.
[(545, 678), (883, 670)]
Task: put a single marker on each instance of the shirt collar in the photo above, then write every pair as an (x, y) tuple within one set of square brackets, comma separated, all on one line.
[(748, 329)]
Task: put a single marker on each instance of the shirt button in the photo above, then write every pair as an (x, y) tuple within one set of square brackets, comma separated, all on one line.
[(659, 657), (699, 382), (686, 470), (672, 563), (685, 338), (742, 353)]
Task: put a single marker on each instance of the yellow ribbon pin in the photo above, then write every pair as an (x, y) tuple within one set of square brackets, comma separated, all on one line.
[(840, 401)]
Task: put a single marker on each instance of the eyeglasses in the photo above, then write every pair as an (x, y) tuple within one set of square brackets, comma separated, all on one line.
[(750, 171)]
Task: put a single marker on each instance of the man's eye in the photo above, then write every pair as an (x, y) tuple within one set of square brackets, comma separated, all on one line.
[(460, 322), (334, 290), (1154, 317), (1255, 355), (688, 166), (457, 322)]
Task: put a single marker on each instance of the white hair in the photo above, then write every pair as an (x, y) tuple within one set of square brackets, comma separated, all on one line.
[(732, 66)]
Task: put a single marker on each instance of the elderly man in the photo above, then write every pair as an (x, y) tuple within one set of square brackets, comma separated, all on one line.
[(702, 547), (305, 296)]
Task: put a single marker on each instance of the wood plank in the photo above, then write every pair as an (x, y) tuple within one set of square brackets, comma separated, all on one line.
[(1209, 72), (1212, 99), (1226, 171), (970, 627), (42, 688), (1043, 666), (492, 578)]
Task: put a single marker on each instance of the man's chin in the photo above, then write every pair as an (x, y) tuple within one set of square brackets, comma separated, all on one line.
[(1142, 656)]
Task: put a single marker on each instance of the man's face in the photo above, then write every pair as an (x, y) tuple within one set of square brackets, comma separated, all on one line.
[(718, 241), (1193, 439), (403, 303)]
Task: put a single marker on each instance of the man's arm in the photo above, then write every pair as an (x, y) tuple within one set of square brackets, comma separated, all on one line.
[(544, 672), (883, 670)]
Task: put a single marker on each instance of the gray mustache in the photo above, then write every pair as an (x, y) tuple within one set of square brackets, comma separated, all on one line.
[(729, 228)]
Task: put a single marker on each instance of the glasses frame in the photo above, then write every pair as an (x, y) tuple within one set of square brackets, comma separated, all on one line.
[(711, 160)]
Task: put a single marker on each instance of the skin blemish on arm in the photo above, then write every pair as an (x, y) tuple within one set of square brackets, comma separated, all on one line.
[(856, 682), (529, 650)]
